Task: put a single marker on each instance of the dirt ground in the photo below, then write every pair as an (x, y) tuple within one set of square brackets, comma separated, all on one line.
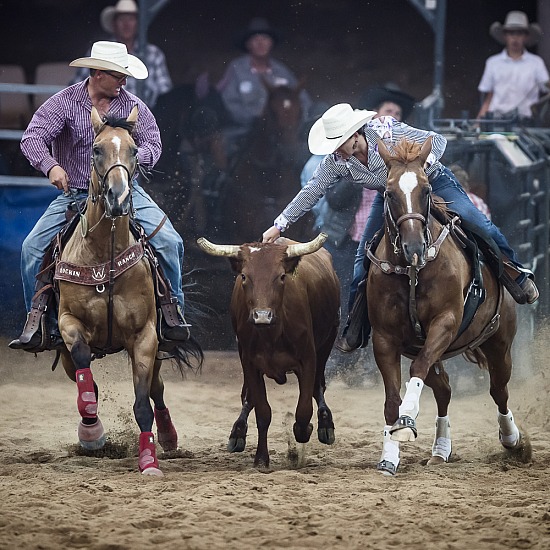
[(313, 496)]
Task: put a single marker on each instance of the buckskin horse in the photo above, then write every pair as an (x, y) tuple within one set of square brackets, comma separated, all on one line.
[(417, 295), (111, 304)]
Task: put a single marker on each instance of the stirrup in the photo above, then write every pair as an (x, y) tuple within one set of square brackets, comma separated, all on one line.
[(171, 334), (530, 290), (524, 292), (346, 344), (356, 333), (45, 338)]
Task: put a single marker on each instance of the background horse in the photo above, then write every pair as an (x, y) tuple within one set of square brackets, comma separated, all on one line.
[(233, 197), (416, 290), (114, 310), (265, 173)]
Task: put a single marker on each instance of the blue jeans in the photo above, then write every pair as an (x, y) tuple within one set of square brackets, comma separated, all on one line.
[(167, 243), (446, 186)]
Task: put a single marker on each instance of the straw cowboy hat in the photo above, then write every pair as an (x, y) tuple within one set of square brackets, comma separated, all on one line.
[(258, 25), (375, 96), (107, 17), (112, 56), (516, 21), (335, 127)]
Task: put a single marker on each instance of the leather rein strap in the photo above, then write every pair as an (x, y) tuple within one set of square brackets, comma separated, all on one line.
[(412, 271)]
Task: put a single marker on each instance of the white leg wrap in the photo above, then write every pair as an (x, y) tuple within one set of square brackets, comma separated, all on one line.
[(390, 449), (508, 432), (442, 440), (411, 402)]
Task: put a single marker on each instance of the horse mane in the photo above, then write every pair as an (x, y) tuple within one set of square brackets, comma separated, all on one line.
[(406, 151), (117, 122)]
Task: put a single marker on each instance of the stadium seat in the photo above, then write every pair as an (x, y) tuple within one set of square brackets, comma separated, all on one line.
[(53, 74), (14, 107)]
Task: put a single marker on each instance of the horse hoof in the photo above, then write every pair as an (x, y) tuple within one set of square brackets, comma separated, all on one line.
[(261, 463), (167, 436), (403, 435), (510, 442), (436, 460), (302, 434), (236, 444), (91, 436), (404, 429), (168, 441), (326, 435), (152, 471), (387, 468)]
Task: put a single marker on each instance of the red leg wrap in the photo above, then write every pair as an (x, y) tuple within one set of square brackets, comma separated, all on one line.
[(147, 452), (86, 401), (166, 432)]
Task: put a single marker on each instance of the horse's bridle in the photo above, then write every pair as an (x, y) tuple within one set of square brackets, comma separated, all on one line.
[(101, 178), (424, 220)]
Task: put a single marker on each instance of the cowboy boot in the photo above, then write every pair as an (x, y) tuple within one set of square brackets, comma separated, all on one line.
[(357, 330), (173, 334), (520, 283), (46, 337)]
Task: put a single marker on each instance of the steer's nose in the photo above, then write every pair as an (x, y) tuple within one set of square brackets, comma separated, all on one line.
[(262, 316)]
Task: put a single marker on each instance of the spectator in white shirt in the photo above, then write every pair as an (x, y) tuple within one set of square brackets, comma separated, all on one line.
[(513, 79)]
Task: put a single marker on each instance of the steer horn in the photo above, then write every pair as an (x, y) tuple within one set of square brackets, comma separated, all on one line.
[(226, 250), (300, 249)]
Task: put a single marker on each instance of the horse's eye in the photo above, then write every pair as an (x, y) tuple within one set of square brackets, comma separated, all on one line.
[(283, 277), (97, 150), (243, 277), (135, 151)]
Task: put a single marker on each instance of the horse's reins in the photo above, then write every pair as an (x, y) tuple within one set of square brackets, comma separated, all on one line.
[(103, 186), (411, 270)]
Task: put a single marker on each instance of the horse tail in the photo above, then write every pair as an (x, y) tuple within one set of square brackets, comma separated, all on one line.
[(477, 357), (189, 355)]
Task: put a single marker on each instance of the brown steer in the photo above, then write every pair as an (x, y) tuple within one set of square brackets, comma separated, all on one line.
[(284, 309)]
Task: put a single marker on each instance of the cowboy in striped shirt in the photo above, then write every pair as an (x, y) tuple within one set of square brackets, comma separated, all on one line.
[(58, 142), (349, 138)]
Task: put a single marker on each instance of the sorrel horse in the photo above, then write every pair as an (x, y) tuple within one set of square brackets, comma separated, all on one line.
[(265, 173), (117, 310), (416, 290)]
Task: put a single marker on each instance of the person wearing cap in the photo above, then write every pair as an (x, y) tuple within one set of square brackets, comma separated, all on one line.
[(242, 90), (349, 139), (514, 78), (58, 142), (388, 100), (121, 23)]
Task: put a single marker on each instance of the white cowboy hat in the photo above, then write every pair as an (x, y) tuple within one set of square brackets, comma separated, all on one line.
[(107, 17), (335, 127), (516, 21), (112, 56)]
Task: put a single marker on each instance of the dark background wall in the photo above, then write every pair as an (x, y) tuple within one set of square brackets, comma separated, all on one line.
[(341, 46)]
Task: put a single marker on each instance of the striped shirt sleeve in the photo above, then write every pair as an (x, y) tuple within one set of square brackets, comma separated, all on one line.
[(147, 137), (373, 176), (46, 124)]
